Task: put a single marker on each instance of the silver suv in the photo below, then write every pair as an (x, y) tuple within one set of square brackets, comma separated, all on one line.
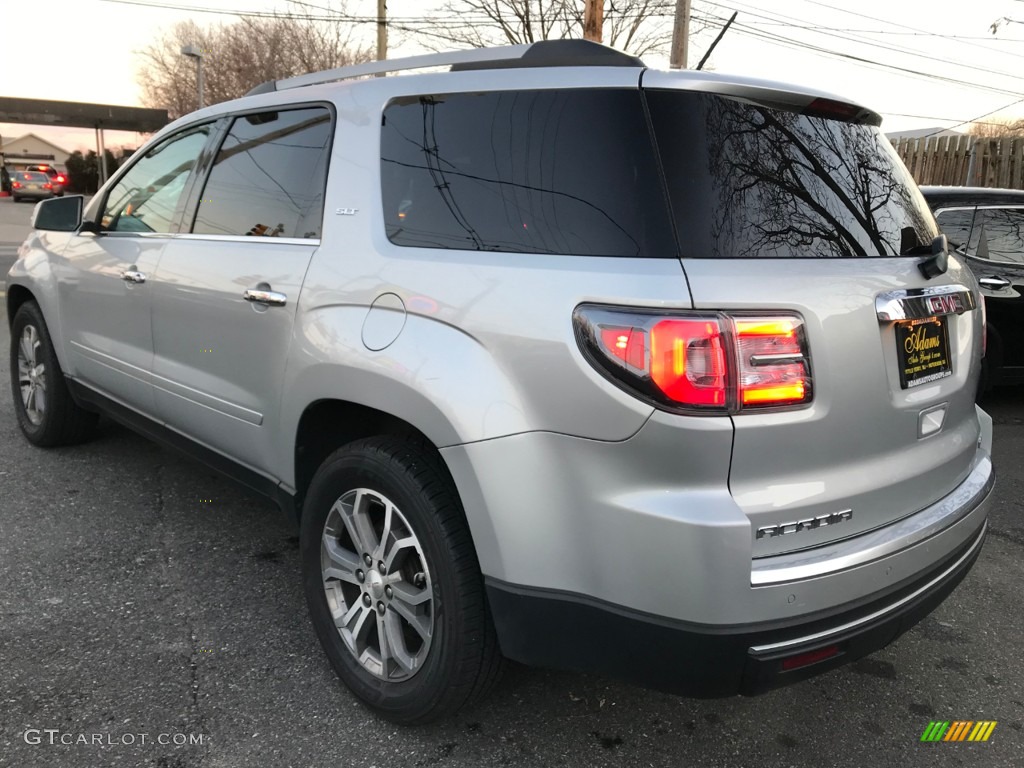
[(554, 358)]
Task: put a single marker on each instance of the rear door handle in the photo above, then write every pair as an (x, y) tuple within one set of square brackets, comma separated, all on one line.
[(995, 283), (133, 276), (269, 298)]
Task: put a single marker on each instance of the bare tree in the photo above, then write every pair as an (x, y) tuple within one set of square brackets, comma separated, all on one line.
[(635, 26), (241, 55), (997, 128)]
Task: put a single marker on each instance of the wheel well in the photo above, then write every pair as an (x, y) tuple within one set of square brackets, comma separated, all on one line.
[(16, 296), (327, 425)]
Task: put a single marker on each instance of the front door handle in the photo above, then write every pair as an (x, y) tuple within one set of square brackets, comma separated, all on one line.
[(995, 283), (133, 276), (269, 298)]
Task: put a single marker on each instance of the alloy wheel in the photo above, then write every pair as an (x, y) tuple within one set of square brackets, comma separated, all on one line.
[(32, 375), (377, 584)]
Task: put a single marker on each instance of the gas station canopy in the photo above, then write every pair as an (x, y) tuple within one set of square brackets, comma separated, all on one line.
[(73, 114)]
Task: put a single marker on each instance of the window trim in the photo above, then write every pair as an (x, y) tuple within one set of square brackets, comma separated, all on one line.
[(191, 210)]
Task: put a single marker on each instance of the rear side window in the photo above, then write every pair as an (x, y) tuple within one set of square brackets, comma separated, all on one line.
[(955, 224), (561, 171), (999, 235), (751, 181), (269, 176)]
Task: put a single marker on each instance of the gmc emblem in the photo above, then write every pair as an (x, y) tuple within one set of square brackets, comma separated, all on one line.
[(946, 304), (783, 529)]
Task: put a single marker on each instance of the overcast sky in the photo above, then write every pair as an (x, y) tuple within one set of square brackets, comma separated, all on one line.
[(87, 51)]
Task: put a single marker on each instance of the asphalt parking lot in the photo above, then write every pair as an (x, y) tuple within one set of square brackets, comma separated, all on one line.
[(145, 601)]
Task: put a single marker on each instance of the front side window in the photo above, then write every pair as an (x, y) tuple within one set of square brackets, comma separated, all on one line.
[(955, 224), (567, 172), (268, 179), (999, 235), (147, 196)]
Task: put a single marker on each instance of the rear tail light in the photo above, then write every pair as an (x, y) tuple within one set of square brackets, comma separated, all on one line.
[(16, 185), (60, 179), (699, 362), (47, 185), (772, 356)]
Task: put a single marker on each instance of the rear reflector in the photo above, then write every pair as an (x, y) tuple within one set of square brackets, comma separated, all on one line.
[(699, 362), (811, 657)]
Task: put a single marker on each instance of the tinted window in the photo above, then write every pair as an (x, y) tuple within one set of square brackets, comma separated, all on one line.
[(748, 181), (956, 225), (268, 178), (146, 198), (567, 172), (999, 235)]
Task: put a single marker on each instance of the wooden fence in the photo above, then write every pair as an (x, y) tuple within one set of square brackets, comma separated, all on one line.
[(964, 161)]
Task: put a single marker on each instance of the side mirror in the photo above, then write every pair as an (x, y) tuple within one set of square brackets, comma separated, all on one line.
[(59, 214)]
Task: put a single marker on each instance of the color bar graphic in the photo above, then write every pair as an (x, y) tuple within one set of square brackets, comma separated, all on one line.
[(959, 730)]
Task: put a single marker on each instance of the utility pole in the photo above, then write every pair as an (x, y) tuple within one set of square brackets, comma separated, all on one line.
[(382, 30), (680, 35), (593, 20)]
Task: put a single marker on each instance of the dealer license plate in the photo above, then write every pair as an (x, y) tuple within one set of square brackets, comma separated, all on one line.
[(922, 348)]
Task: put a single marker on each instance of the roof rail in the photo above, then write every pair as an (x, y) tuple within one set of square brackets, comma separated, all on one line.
[(545, 53)]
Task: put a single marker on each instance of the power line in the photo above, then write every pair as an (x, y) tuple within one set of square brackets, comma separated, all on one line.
[(942, 119), (863, 40), (906, 71), (897, 24), (1000, 109)]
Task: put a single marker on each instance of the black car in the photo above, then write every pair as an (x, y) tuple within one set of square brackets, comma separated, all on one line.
[(987, 227)]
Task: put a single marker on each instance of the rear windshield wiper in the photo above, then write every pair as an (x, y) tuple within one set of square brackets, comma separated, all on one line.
[(938, 256)]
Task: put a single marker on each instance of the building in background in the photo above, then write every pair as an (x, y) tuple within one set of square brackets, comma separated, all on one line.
[(30, 149)]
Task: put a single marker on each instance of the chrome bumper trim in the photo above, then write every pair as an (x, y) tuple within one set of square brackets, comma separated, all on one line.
[(881, 542), (882, 612)]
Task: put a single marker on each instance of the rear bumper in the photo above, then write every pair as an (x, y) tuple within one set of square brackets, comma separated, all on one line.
[(562, 631)]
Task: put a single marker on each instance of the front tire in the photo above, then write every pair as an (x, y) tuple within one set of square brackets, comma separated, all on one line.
[(46, 412), (392, 581)]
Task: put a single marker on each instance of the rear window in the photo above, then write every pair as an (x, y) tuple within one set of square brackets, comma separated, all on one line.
[(748, 181), (32, 176), (556, 171)]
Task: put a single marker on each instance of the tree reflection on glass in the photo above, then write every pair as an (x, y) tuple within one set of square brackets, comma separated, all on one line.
[(792, 185)]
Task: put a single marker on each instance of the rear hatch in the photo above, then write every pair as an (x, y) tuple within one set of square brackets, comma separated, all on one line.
[(795, 204)]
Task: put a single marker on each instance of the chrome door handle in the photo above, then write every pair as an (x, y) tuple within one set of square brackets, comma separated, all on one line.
[(270, 298), (132, 276), (995, 283)]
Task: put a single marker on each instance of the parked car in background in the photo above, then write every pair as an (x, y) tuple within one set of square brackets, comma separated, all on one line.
[(31, 185), (986, 226), (58, 179), (664, 375)]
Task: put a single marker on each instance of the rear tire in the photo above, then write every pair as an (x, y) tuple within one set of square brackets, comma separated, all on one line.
[(46, 412), (427, 606)]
